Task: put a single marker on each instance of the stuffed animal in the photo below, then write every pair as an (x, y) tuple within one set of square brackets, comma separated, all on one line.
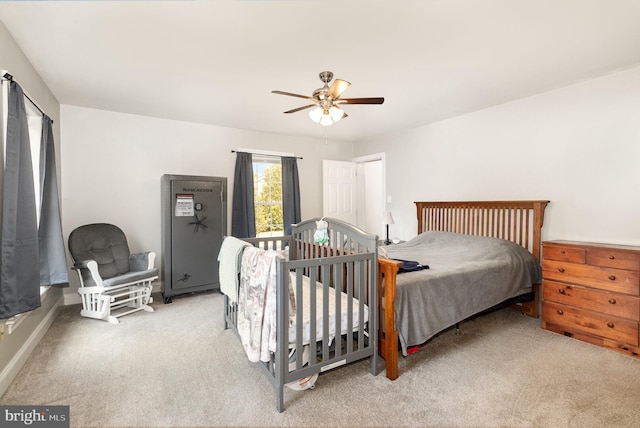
[(321, 236)]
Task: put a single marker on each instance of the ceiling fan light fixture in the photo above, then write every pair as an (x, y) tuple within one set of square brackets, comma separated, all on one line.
[(326, 120), (316, 114), (336, 113), (325, 108)]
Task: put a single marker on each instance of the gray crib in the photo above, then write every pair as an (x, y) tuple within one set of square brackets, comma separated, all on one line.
[(348, 332)]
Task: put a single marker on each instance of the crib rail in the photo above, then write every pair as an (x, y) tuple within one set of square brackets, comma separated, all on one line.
[(340, 340), (278, 243)]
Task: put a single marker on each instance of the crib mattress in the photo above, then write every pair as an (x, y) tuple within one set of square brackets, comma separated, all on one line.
[(306, 306)]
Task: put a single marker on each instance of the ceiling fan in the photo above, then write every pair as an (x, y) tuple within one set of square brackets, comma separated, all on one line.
[(327, 101)]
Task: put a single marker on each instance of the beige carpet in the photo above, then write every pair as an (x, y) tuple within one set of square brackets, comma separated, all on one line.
[(178, 367)]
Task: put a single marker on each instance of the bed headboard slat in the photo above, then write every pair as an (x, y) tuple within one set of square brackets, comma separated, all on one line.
[(517, 221)]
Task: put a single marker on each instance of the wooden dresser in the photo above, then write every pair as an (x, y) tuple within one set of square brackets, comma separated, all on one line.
[(592, 292)]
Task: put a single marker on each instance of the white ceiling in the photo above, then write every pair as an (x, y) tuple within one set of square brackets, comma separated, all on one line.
[(216, 62)]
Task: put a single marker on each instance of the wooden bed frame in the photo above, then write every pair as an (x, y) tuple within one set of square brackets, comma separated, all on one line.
[(517, 221)]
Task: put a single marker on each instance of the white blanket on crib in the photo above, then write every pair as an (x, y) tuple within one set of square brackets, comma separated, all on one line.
[(229, 257), (257, 303)]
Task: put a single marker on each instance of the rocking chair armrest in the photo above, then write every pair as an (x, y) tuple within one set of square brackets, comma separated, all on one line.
[(84, 264), (91, 267), (142, 261)]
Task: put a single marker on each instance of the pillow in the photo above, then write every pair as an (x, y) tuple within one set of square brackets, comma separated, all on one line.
[(382, 252)]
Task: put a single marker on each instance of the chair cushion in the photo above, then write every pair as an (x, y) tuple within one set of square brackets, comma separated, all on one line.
[(104, 243), (130, 277)]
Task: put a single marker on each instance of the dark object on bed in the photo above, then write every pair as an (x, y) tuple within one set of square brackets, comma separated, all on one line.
[(447, 301), (410, 266)]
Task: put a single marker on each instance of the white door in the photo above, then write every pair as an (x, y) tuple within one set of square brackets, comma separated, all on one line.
[(339, 190), (371, 198)]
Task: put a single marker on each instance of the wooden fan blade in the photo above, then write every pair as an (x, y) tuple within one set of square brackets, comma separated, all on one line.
[(375, 100), (294, 95), (300, 108), (337, 88)]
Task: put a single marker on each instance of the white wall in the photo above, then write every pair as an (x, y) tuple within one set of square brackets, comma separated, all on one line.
[(112, 164), (577, 146)]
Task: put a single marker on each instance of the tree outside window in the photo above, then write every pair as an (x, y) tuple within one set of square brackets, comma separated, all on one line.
[(267, 182)]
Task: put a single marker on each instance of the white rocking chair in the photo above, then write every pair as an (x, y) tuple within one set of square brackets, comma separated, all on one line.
[(113, 282)]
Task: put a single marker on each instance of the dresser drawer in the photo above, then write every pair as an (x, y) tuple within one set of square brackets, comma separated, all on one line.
[(603, 325), (621, 305), (564, 253), (613, 258), (610, 279)]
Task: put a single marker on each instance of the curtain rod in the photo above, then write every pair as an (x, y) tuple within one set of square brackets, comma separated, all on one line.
[(267, 154), (9, 77)]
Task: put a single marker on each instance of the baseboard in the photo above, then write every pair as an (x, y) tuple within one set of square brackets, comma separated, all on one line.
[(71, 299), (9, 373)]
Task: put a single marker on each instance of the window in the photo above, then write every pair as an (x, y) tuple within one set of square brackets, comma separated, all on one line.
[(267, 190), (34, 120)]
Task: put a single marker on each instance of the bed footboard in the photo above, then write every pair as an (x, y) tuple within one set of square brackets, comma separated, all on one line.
[(387, 333), (517, 221)]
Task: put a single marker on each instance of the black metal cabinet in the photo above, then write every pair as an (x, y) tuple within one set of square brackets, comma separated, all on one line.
[(194, 223)]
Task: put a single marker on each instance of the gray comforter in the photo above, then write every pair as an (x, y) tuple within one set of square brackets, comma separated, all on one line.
[(466, 275)]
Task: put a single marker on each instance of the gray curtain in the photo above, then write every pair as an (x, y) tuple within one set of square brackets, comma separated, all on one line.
[(290, 193), (19, 273), (243, 216), (53, 262)]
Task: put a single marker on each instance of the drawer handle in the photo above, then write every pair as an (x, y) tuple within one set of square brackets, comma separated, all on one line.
[(611, 257), (560, 312), (610, 324), (561, 291), (612, 277), (562, 252), (612, 301), (560, 269)]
